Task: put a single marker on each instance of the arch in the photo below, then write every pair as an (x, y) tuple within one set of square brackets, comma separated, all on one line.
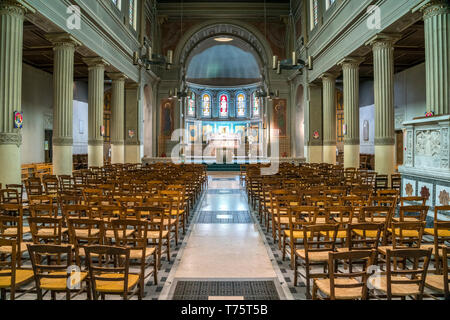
[(148, 120), (216, 28)]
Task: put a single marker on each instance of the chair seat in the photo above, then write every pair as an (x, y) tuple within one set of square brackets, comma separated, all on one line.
[(281, 220), (427, 246), (110, 233), (296, 234), (321, 220), (8, 249), (155, 234), (85, 233), (340, 293), (13, 231), (175, 212), (399, 290), (137, 254), (58, 284), (49, 231), (346, 220), (405, 233), (405, 219), (441, 233), (435, 282), (22, 276), (166, 221), (341, 234), (367, 233), (115, 286), (313, 256)]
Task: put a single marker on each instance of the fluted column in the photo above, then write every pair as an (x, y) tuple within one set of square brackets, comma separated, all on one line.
[(95, 110), (11, 38), (436, 16), (117, 117), (329, 118), (350, 70), (383, 65), (63, 61)]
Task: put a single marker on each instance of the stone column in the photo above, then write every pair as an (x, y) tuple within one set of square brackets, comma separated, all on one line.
[(117, 117), (96, 106), (436, 15), (329, 118), (313, 123), (132, 143), (11, 38), (383, 65), (350, 70), (64, 48)]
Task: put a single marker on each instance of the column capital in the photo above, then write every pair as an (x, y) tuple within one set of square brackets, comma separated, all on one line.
[(328, 76), (116, 76), (95, 62), (384, 40), (132, 85), (433, 8), (62, 39), (17, 7), (351, 62), (11, 138)]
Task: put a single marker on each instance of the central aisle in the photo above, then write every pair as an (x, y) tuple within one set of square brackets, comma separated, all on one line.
[(223, 243), (222, 248)]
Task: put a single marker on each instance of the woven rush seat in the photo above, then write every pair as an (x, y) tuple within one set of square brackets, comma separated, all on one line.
[(380, 283), (319, 256), (115, 286), (340, 293), (22, 276), (60, 284)]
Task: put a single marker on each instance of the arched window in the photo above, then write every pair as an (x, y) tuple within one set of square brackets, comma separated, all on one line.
[(191, 105), (223, 105), (206, 105), (240, 105), (256, 105)]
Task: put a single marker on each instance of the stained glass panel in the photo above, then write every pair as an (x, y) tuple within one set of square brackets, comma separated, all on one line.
[(241, 105), (191, 106), (206, 105), (256, 105), (223, 105)]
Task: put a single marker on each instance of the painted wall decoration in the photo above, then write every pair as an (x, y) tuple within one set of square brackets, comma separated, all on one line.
[(409, 189), (276, 36), (191, 105), (167, 117), (444, 198), (18, 119), (207, 129), (192, 132), (279, 116), (256, 103)]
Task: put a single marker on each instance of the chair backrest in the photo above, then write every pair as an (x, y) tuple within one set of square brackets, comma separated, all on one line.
[(320, 237), (385, 201), (377, 214), (357, 279), (46, 229), (407, 234), (54, 269), (8, 266), (340, 214), (44, 210), (388, 192), (417, 212), (360, 236), (405, 201), (303, 215), (75, 211), (108, 264), (445, 258), (415, 274), (10, 196)]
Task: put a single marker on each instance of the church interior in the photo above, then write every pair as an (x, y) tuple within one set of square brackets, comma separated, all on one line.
[(224, 150)]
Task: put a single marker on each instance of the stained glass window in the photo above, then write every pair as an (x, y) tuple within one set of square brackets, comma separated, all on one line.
[(191, 105), (314, 7), (223, 105), (256, 105), (206, 105), (240, 105), (132, 13)]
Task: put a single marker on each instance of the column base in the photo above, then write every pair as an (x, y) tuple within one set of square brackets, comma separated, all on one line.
[(351, 156), (95, 156), (314, 154), (133, 153), (117, 153), (10, 169), (329, 154), (385, 159), (62, 160)]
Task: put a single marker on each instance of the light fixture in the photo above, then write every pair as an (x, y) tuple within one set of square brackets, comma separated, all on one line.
[(223, 39), (262, 93), (291, 64), (149, 58)]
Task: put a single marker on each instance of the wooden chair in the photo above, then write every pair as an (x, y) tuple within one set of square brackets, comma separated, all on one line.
[(375, 214), (406, 281), (315, 252), (441, 235), (11, 228), (299, 216), (438, 281), (109, 272), (381, 182), (145, 255), (56, 276), (396, 181), (406, 201), (11, 277), (46, 230), (412, 213), (404, 235), (345, 285)]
